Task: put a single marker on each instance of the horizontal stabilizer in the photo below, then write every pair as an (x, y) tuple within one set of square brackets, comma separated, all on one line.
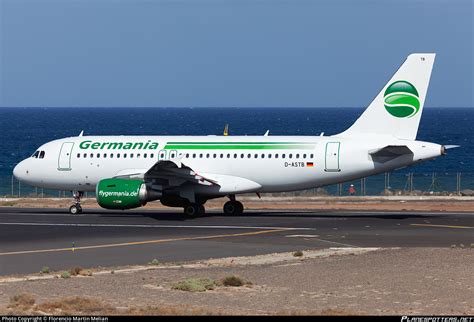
[(447, 147), (391, 151)]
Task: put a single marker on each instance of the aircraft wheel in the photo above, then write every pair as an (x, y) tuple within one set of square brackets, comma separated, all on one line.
[(240, 207), (233, 208), (75, 209), (202, 210), (191, 210)]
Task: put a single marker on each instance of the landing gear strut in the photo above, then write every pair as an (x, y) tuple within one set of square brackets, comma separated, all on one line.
[(233, 207), (194, 209), (76, 207)]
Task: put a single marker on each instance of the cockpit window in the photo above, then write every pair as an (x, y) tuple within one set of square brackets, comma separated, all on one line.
[(41, 155), (35, 155)]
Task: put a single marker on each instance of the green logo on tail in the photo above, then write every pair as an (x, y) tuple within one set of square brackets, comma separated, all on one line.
[(401, 99)]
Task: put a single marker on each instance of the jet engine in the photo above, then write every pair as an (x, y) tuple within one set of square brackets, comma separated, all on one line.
[(124, 193)]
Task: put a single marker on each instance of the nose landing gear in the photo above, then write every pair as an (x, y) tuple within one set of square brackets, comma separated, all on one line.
[(76, 207), (233, 207)]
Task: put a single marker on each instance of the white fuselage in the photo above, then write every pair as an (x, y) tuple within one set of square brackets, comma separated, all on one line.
[(239, 163)]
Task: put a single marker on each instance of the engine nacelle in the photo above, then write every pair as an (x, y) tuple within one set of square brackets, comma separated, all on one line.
[(124, 193)]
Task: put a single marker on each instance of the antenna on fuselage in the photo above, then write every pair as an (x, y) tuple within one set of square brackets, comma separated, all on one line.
[(226, 130), (322, 134), (82, 132), (266, 133)]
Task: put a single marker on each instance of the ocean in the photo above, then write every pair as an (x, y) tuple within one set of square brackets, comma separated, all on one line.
[(24, 129)]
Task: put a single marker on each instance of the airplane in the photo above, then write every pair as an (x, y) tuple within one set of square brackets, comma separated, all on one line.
[(185, 171)]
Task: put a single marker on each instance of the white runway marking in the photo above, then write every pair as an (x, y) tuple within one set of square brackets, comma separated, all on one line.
[(302, 236), (147, 226)]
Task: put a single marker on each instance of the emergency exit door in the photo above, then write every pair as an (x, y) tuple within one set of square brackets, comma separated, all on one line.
[(332, 157), (64, 162)]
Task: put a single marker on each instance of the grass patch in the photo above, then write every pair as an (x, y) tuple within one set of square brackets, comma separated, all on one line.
[(75, 305), (91, 306), (45, 270), (75, 270), (8, 204), (154, 262), (65, 275), (85, 272), (298, 253), (23, 301), (233, 281), (195, 285)]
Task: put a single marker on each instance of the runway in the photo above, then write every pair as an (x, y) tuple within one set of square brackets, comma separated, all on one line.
[(33, 238)]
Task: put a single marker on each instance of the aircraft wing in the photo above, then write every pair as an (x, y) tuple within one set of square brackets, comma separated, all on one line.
[(167, 173), (174, 173)]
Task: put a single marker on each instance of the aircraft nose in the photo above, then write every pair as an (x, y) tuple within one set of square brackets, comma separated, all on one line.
[(20, 171)]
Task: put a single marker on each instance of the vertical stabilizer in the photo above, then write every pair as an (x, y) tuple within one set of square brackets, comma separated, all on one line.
[(397, 109)]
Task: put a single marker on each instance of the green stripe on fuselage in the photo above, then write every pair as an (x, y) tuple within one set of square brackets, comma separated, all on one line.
[(237, 146)]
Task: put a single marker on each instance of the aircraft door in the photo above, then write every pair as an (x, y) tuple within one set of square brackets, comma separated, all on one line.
[(64, 161), (332, 157)]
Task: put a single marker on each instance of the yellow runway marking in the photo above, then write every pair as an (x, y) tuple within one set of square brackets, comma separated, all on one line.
[(443, 226), (156, 241)]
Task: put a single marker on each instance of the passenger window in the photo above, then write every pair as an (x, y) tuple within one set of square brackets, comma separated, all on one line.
[(151, 155), (214, 156), (42, 155), (270, 156), (283, 155), (85, 155), (131, 155), (304, 156), (242, 156), (111, 155), (256, 155), (187, 155), (297, 155), (145, 155), (263, 156), (92, 155), (200, 155), (228, 155), (311, 155), (207, 156), (98, 155), (235, 155), (138, 155), (78, 155), (118, 155), (290, 156), (105, 155), (276, 156), (125, 155), (222, 155), (194, 155)]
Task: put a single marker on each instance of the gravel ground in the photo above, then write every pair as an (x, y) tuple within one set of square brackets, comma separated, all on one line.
[(425, 281), (357, 203)]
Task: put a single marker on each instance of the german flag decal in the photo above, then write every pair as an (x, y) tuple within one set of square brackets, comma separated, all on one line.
[(309, 164)]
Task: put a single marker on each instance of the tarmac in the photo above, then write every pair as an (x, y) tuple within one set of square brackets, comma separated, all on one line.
[(31, 238)]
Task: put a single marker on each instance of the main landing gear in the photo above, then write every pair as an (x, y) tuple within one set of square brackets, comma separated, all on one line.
[(194, 209), (76, 207), (233, 207)]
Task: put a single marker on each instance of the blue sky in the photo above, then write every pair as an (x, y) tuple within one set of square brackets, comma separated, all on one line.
[(223, 53)]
